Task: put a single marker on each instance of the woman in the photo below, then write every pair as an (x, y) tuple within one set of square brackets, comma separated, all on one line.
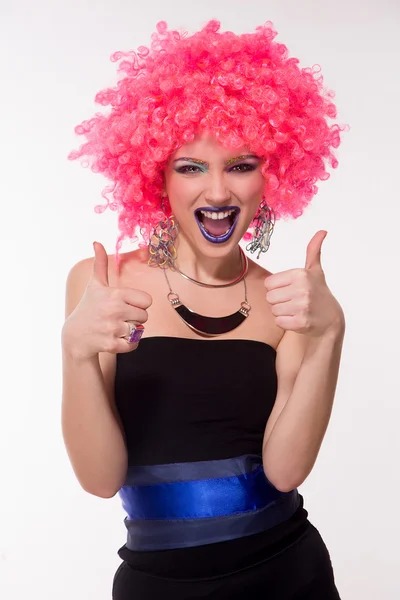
[(207, 418)]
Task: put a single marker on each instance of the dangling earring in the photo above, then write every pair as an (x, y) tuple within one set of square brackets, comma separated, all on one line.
[(161, 246), (263, 224)]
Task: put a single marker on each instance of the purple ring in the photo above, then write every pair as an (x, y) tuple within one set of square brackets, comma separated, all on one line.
[(135, 333)]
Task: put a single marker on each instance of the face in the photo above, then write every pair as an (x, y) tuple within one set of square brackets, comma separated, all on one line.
[(214, 193)]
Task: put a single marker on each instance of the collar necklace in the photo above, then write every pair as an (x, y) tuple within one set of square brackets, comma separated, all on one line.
[(245, 263), (211, 326)]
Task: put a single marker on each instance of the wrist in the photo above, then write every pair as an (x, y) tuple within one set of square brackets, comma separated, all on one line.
[(337, 329), (74, 352), (329, 340)]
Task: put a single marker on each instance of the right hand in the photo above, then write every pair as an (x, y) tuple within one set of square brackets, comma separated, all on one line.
[(98, 323)]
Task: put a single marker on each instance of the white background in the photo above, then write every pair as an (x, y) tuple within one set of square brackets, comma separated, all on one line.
[(56, 541)]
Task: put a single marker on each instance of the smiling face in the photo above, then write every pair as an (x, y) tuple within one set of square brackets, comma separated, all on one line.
[(214, 193)]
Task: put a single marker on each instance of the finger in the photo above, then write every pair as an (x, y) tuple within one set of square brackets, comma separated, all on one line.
[(138, 315), (283, 309), (123, 346), (120, 343), (287, 323), (124, 330), (313, 253), (136, 298), (283, 294), (278, 280), (100, 266)]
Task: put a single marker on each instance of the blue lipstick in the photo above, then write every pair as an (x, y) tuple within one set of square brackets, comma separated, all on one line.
[(220, 239)]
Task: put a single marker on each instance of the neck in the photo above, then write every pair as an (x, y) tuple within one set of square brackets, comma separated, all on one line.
[(208, 269)]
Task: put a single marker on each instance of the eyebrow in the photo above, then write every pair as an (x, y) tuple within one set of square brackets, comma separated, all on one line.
[(227, 162)]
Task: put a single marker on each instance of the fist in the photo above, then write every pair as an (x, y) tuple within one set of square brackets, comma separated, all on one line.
[(300, 299), (101, 319)]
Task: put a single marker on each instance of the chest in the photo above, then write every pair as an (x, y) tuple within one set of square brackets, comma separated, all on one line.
[(165, 320), (182, 399)]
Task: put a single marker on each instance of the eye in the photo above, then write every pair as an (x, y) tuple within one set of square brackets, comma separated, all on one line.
[(185, 169), (243, 168)]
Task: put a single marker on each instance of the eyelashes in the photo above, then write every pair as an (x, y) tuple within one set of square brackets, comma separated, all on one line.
[(186, 169)]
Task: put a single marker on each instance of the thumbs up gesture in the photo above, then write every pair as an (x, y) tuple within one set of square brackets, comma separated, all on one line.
[(300, 298), (101, 320)]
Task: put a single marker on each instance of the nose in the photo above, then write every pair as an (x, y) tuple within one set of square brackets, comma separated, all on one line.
[(217, 193)]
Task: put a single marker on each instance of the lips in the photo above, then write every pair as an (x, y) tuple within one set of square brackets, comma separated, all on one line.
[(217, 224)]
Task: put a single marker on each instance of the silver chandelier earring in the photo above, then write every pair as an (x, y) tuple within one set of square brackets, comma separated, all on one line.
[(162, 251), (263, 228)]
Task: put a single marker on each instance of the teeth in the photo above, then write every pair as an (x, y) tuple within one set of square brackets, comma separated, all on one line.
[(221, 234), (217, 215)]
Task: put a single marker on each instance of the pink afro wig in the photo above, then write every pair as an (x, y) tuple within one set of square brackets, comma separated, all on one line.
[(242, 89)]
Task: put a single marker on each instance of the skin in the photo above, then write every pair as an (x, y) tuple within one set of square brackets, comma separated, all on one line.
[(205, 174), (292, 311), (188, 186), (191, 185)]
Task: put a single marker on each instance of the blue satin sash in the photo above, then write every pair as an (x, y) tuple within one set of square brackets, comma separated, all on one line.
[(188, 504)]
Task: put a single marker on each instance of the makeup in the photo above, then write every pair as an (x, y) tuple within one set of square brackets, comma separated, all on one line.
[(217, 224), (193, 161), (203, 163), (239, 158)]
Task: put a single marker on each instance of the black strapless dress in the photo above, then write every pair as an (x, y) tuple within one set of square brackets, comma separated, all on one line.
[(193, 401)]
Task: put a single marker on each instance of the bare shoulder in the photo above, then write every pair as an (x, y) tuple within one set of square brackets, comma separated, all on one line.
[(131, 263), (256, 271), (134, 262), (77, 280)]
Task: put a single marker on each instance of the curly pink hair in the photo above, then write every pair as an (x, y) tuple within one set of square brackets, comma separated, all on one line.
[(241, 89)]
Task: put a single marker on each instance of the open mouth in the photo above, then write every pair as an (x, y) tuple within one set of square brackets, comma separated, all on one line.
[(217, 224)]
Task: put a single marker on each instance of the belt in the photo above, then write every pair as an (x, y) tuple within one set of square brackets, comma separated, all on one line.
[(190, 504)]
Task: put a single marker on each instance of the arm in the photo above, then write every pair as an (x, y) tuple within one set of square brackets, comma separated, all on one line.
[(307, 369), (91, 426)]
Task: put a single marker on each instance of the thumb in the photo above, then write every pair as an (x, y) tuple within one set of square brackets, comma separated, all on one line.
[(100, 266), (313, 256)]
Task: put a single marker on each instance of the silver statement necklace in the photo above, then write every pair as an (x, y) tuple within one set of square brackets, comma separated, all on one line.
[(211, 326)]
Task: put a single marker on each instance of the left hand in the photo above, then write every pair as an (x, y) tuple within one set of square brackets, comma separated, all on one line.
[(300, 299)]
